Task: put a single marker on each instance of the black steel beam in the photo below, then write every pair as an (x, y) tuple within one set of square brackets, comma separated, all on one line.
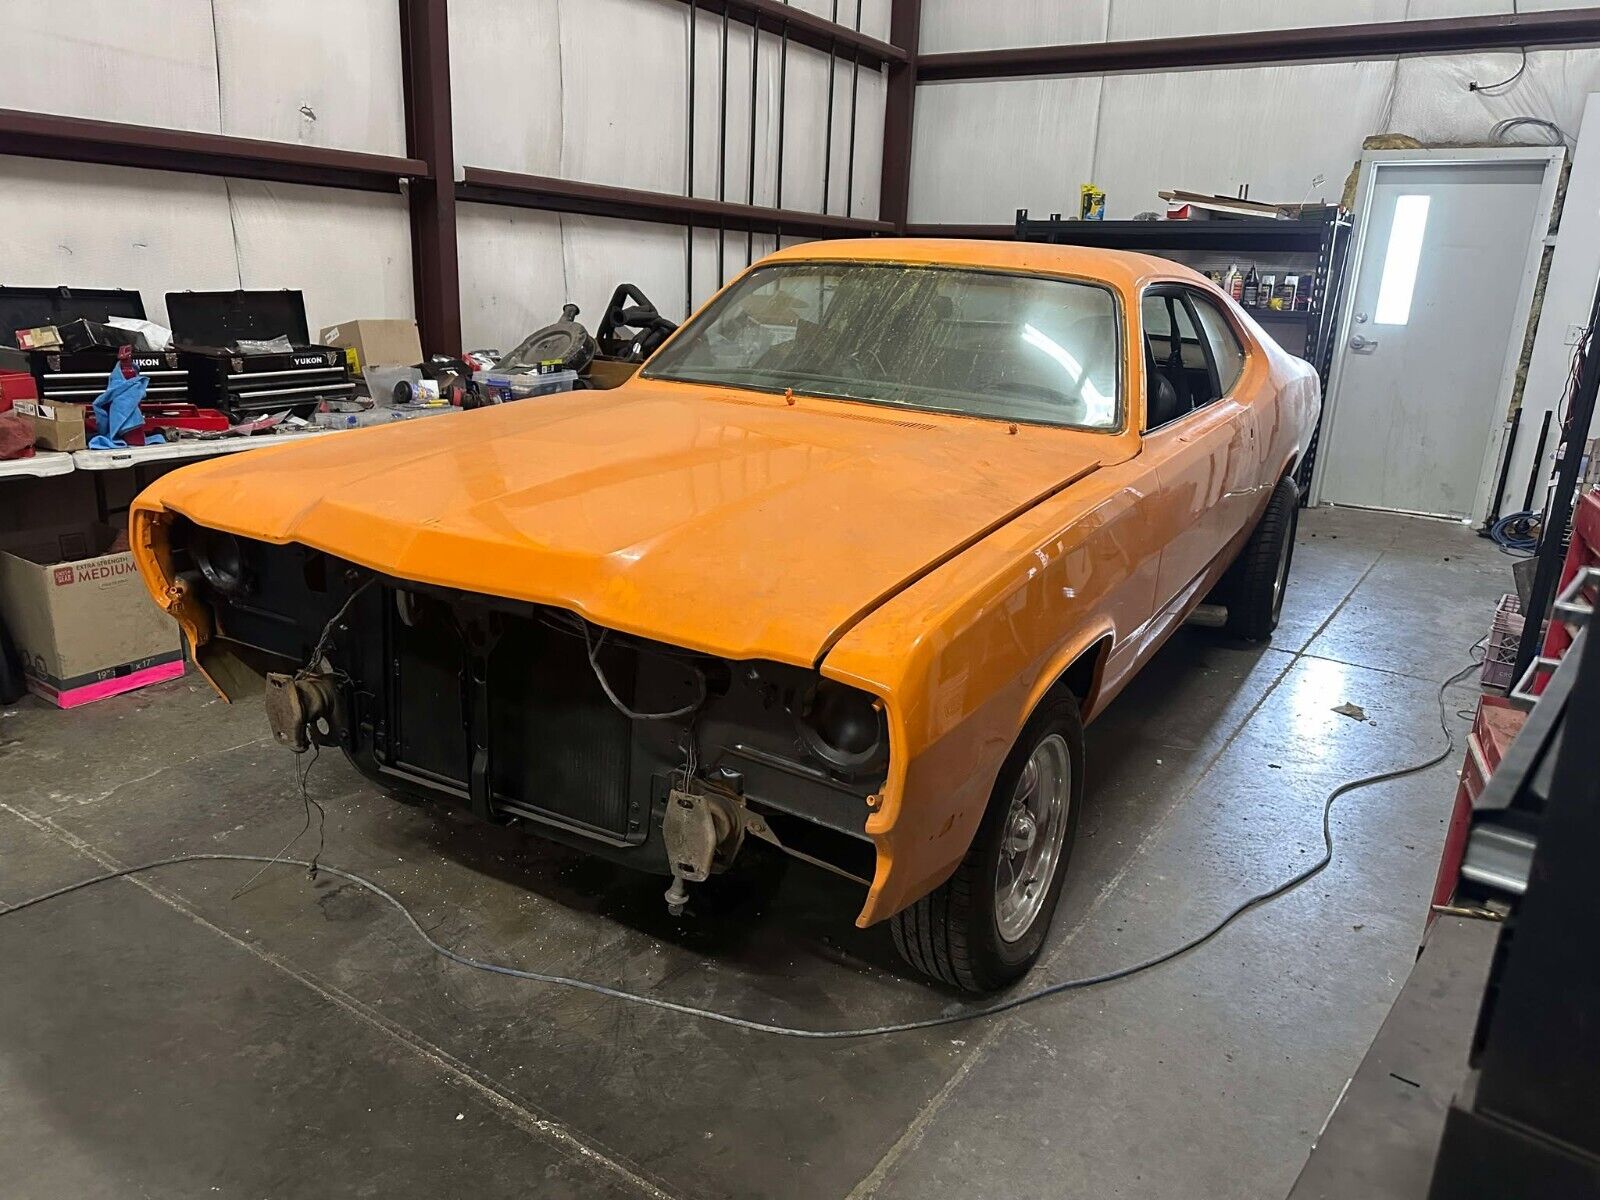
[(988, 233), (1380, 39), (435, 261), (817, 32), (77, 139), (894, 189), (483, 186)]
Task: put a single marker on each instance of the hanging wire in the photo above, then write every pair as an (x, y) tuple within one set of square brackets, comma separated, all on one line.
[(827, 126), (1492, 88), (750, 183)]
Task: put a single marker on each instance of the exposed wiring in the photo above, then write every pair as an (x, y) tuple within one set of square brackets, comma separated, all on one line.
[(1256, 900), (1502, 129), (1475, 86), (593, 646), (1521, 70), (321, 648), (301, 776)]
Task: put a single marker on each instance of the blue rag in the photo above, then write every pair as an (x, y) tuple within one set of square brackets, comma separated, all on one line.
[(116, 411)]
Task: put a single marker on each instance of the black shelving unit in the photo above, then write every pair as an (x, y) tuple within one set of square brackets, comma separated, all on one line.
[(1244, 236), (1323, 233)]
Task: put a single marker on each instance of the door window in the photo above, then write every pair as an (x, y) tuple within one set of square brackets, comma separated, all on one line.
[(1178, 359), (1226, 352)]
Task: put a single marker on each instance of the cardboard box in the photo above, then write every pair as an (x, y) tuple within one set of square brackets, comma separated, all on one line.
[(82, 620), (376, 343), (55, 426)]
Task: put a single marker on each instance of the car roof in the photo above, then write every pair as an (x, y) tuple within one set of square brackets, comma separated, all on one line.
[(1120, 268)]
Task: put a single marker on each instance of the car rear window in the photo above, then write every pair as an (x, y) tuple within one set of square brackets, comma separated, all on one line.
[(941, 339)]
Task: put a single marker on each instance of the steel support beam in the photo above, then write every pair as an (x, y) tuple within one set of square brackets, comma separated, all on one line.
[(483, 186), (894, 192), (817, 32), (425, 72), (76, 139), (1381, 39), (988, 233)]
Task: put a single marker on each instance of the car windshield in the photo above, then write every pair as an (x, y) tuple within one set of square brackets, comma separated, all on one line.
[(986, 344)]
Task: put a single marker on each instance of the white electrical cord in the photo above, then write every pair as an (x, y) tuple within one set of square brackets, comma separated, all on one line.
[(1255, 900)]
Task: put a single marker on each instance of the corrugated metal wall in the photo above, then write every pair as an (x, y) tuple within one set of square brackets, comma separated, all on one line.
[(595, 90), (320, 72), (592, 90), (607, 102), (984, 149)]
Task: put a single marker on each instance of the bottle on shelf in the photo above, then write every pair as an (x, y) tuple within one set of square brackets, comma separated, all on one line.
[(1232, 281), (1252, 290)]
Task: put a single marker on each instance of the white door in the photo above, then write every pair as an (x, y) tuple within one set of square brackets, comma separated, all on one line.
[(1446, 257)]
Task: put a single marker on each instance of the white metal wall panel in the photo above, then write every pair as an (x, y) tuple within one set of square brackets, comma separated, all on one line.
[(321, 72), (613, 110), (623, 93), (349, 252), (1182, 18), (114, 227), (505, 85), (872, 97), (1420, 9), (600, 253), (805, 118), (519, 266), (511, 273), (980, 151), (949, 25), (1274, 128), (146, 62), (874, 14)]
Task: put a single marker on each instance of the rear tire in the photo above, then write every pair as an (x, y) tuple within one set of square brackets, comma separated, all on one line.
[(984, 928), (1256, 582)]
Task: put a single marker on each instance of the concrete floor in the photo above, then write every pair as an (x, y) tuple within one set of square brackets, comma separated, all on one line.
[(162, 1037)]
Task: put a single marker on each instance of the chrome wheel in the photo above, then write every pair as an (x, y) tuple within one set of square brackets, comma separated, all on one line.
[(1030, 849)]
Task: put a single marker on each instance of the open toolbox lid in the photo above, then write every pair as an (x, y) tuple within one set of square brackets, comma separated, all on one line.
[(25, 308), (222, 318)]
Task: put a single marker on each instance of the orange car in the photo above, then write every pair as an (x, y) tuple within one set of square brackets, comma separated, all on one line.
[(845, 568)]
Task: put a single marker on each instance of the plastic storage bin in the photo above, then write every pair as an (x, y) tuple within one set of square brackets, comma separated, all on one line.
[(381, 381), (502, 386)]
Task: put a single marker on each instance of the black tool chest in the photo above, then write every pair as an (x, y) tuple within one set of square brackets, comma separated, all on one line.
[(78, 376), (206, 329)]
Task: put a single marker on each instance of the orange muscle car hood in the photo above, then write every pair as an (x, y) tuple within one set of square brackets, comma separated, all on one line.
[(727, 522)]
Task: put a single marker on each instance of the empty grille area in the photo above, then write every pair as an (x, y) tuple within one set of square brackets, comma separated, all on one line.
[(516, 713), (560, 749)]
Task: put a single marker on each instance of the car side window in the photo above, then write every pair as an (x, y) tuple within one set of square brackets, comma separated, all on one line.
[(1226, 352), (1177, 359)]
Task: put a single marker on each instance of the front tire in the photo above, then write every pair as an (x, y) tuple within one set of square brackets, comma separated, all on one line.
[(985, 926), (1258, 579)]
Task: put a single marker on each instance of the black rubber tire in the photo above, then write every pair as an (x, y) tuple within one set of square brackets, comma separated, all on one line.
[(950, 934), (1257, 580)]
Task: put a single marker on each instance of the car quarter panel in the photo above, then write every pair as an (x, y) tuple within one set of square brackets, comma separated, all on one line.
[(963, 657)]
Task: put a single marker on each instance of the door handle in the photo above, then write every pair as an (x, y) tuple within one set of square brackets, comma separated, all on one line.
[(1363, 345)]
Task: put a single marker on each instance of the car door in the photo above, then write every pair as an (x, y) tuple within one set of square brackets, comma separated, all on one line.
[(1203, 443)]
